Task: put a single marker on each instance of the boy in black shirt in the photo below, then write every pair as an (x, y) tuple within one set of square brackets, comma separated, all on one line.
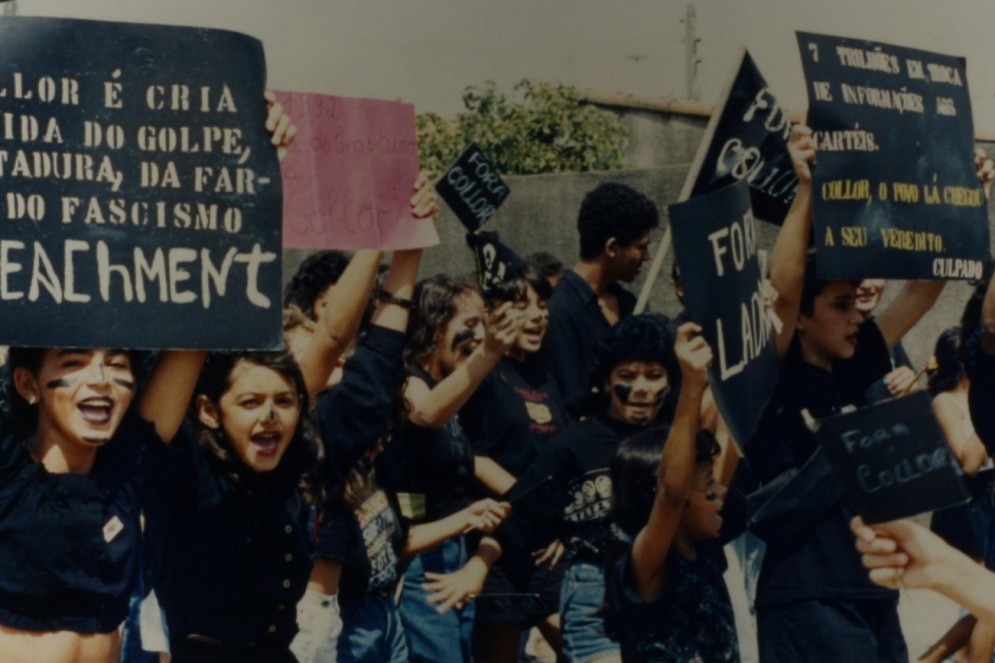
[(814, 601), (614, 224)]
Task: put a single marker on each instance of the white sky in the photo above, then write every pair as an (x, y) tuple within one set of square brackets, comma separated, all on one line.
[(427, 51)]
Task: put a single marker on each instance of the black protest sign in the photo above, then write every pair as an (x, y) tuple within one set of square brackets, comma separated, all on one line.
[(141, 196), (715, 243), (894, 188), (472, 188), (893, 459), (498, 267), (747, 139)]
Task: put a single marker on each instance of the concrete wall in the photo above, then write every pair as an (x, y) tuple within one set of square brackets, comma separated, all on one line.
[(541, 214)]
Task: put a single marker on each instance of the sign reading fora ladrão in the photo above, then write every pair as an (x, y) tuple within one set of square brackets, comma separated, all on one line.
[(140, 201), (895, 191), (715, 243)]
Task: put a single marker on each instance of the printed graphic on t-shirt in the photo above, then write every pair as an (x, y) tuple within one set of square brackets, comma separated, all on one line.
[(540, 415), (591, 497), (378, 524)]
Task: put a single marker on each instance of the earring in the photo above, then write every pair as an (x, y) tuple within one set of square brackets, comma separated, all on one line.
[(31, 399)]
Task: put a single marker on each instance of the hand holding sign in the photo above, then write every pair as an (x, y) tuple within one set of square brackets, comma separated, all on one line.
[(694, 356)]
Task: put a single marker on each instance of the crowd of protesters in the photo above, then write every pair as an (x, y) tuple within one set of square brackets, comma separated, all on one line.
[(426, 476)]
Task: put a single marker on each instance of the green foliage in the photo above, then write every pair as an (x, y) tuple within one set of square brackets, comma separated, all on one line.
[(545, 129)]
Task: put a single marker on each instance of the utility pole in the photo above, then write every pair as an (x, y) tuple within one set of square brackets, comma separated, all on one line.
[(691, 59), (8, 7)]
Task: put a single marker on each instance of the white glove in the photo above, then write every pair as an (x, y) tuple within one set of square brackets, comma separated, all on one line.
[(319, 625)]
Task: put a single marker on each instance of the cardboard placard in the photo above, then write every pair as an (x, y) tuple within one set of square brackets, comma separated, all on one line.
[(348, 181), (747, 139), (895, 190), (472, 188), (716, 250), (140, 191), (893, 459)]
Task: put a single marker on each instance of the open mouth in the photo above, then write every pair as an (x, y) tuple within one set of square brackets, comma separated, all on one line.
[(266, 444), (852, 339), (96, 410)]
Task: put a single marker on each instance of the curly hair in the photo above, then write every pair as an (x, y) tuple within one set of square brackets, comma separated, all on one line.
[(315, 274), (645, 337), (614, 210), (299, 466)]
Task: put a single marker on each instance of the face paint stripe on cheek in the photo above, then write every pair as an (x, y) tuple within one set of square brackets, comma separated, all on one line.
[(623, 391), (60, 383), (127, 384), (462, 337)]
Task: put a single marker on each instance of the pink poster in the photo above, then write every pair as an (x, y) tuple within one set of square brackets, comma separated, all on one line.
[(349, 177)]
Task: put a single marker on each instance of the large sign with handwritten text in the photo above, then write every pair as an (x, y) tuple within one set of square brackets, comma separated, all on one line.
[(895, 191), (139, 192), (350, 177), (715, 243), (893, 459)]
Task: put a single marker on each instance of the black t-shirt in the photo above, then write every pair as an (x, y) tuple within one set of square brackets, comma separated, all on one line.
[(810, 552), (430, 470), (691, 621), (577, 326), (514, 413), (70, 542), (578, 461), (366, 540)]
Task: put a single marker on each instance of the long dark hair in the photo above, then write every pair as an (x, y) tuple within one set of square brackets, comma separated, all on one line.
[(949, 369), (300, 463), (435, 305)]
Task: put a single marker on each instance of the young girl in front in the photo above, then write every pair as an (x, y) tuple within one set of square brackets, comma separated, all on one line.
[(666, 596)]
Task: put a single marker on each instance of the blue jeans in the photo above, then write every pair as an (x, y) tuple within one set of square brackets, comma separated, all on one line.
[(581, 601), (433, 637), (372, 631)]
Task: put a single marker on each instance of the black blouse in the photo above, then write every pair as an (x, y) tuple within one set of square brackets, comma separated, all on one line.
[(69, 543), (237, 555)]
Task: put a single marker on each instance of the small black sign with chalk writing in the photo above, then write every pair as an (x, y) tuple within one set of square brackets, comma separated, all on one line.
[(894, 187), (748, 140), (498, 267), (715, 243), (893, 459), (141, 196), (472, 188)]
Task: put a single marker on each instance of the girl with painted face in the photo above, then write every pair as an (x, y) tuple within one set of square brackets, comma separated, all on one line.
[(430, 465), (666, 597), (635, 371), (514, 413), (75, 450), (72, 452), (237, 548)]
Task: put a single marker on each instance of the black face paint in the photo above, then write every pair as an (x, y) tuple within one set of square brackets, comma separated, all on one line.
[(462, 337), (59, 383), (127, 384), (622, 392)]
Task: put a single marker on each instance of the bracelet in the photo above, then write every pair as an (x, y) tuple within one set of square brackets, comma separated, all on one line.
[(389, 298)]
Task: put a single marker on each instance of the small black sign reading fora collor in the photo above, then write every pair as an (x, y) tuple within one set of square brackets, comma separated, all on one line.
[(893, 459), (472, 188)]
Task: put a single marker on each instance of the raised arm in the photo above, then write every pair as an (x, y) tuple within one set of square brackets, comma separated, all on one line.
[(433, 407), (911, 303), (787, 267), (676, 475), (169, 389)]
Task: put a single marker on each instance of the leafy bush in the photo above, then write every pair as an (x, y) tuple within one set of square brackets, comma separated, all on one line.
[(545, 129)]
